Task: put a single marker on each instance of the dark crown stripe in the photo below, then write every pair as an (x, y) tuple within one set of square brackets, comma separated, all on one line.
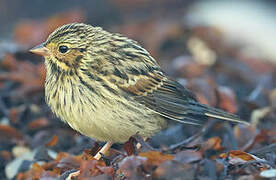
[(61, 34)]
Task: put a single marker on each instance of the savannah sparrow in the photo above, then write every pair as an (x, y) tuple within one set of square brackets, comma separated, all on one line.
[(107, 87)]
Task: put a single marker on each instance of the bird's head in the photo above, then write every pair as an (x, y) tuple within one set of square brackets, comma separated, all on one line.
[(68, 45)]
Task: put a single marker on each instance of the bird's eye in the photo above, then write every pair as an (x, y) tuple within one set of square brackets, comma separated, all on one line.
[(63, 49)]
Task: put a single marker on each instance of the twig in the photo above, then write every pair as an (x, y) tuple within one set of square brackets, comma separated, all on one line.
[(183, 144)]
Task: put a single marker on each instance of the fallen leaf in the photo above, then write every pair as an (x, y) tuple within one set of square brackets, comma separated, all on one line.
[(204, 88), (14, 115), (129, 165), (67, 163), (188, 156), (31, 76), (37, 171), (174, 170), (244, 134), (156, 157), (7, 132), (6, 155), (48, 175), (227, 99), (93, 151), (93, 168), (9, 62), (53, 141), (239, 157), (213, 143), (38, 123), (129, 146)]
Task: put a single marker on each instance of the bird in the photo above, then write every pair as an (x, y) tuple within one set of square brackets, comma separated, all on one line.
[(108, 87)]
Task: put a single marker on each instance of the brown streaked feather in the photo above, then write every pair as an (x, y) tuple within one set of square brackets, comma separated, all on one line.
[(144, 84), (171, 100)]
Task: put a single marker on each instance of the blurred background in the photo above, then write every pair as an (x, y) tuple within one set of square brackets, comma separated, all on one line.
[(224, 51)]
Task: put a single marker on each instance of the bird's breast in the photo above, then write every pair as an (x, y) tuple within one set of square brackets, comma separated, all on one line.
[(94, 111)]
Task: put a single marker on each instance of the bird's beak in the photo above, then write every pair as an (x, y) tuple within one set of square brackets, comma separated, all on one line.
[(40, 50)]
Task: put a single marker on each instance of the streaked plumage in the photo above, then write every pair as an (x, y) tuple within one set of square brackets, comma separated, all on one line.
[(108, 87)]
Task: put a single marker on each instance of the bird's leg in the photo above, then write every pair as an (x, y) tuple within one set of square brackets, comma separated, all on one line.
[(103, 150), (98, 156)]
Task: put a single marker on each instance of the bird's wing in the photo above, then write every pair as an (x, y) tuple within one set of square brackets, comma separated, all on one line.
[(170, 99)]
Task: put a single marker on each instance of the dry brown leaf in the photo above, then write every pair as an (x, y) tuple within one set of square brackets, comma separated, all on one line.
[(261, 137), (237, 157), (156, 157), (227, 99), (213, 143), (93, 167), (38, 123), (35, 173), (31, 76), (129, 146), (53, 141), (9, 62), (67, 163), (8, 132), (14, 115), (243, 134), (129, 165), (7, 155), (49, 175), (204, 88), (174, 170), (188, 156)]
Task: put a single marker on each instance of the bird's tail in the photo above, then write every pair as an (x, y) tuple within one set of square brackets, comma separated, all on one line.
[(222, 115)]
